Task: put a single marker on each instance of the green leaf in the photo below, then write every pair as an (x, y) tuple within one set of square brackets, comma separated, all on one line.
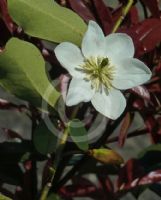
[(22, 73), (53, 197), (150, 157), (2, 197), (78, 134), (151, 148), (44, 140), (47, 20)]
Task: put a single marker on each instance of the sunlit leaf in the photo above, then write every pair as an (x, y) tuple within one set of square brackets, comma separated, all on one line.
[(47, 20), (22, 73), (2, 197), (78, 134)]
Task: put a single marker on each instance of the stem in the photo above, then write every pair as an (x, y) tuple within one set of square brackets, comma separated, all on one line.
[(58, 153), (125, 10)]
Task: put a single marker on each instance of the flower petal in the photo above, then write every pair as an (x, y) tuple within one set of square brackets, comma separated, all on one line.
[(111, 105), (70, 57), (119, 46), (79, 91), (93, 41), (130, 73)]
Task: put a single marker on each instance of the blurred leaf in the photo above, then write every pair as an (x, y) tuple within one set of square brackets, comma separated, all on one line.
[(81, 9), (150, 157), (78, 134), (151, 177), (156, 188), (153, 6), (104, 15), (156, 147), (47, 20), (134, 16), (53, 197), (129, 174), (12, 152), (77, 190), (2, 197), (106, 156), (44, 140), (141, 91), (11, 174), (126, 123), (22, 72), (5, 16)]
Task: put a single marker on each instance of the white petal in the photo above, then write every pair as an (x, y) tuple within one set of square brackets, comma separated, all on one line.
[(93, 41), (70, 57), (79, 91), (119, 46), (130, 73), (111, 105)]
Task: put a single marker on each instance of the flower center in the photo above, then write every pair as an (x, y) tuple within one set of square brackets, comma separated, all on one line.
[(99, 71)]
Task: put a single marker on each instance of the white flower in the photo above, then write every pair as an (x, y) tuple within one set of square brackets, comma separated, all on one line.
[(103, 67)]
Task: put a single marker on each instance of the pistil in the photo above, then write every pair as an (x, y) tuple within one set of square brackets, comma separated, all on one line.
[(99, 71)]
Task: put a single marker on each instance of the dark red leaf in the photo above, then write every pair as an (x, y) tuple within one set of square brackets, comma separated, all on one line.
[(141, 91), (134, 17), (152, 177), (104, 15), (153, 126), (11, 134), (139, 104), (77, 191), (124, 128), (81, 9), (5, 16), (146, 35), (153, 6), (129, 174), (4, 104)]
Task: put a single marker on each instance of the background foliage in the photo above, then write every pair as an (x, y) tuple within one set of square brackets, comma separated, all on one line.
[(27, 66)]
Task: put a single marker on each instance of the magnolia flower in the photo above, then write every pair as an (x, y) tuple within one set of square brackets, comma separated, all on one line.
[(100, 69)]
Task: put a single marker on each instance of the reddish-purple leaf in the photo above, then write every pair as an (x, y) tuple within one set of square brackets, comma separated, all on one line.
[(153, 6), (5, 16), (129, 173), (152, 177), (134, 17), (146, 35), (104, 15), (153, 126), (139, 104), (81, 9), (141, 91), (78, 191), (124, 128)]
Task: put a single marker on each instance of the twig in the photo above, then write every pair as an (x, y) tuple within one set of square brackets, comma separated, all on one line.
[(125, 10)]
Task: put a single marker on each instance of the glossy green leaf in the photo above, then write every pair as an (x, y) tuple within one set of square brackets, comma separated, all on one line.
[(47, 20), (44, 140), (22, 73), (78, 134)]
